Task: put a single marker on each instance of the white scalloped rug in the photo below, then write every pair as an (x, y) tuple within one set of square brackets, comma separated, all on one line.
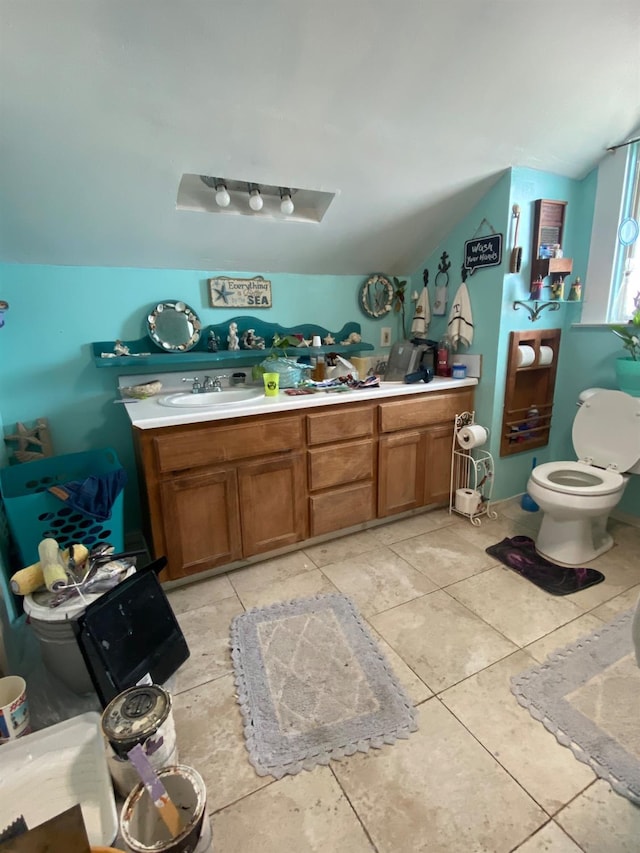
[(588, 695), (313, 685)]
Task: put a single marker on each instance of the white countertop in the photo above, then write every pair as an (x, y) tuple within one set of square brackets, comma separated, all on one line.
[(150, 414)]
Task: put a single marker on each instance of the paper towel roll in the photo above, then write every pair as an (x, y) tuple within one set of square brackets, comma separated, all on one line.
[(526, 355), (467, 500), (546, 355), (472, 436)]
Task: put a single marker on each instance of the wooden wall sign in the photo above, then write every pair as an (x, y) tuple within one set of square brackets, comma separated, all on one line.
[(227, 292), (483, 252)]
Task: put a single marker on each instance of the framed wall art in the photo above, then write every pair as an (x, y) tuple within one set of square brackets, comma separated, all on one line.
[(225, 292)]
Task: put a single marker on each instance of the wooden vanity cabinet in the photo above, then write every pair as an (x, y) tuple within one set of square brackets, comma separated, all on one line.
[(204, 520), (272, 503), (341, 462), (414, 451), (219, 492)]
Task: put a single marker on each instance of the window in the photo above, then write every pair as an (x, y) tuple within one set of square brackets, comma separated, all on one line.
[(626, 267), (613, 272)]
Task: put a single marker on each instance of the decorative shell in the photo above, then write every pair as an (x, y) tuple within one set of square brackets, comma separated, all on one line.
[(141, 392)]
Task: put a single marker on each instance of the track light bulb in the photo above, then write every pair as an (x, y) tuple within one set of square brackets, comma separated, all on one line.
[(223, 199), (286, 205), (255, 200)]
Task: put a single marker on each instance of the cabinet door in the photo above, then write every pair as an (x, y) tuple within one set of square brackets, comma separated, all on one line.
[(273, 503), (438, 464), (401, 467), (202, 521)]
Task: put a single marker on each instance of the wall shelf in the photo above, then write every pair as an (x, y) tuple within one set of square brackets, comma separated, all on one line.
[(536, 306), (144, 353), (528, 397), (548, 230)]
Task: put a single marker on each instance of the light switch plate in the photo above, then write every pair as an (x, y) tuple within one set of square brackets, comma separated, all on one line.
[(473, 363), (385, 336)]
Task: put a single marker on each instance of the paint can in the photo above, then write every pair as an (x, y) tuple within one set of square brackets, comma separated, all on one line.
[(140, 715), (142, 827)]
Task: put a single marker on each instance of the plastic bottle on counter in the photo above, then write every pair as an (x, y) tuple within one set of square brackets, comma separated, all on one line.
[(319, 372), (443, 361)]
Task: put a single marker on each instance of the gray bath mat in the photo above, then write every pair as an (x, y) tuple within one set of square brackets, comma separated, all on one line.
[(313, 685), (587, 695)]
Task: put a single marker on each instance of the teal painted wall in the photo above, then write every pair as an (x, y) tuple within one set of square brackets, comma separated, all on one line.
[(56, 312), (587, 355)]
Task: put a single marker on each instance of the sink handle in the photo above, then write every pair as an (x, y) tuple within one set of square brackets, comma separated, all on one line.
[(196, 386)]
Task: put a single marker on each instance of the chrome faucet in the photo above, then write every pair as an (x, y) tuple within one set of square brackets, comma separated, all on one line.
[(209, 383), (213, 383)]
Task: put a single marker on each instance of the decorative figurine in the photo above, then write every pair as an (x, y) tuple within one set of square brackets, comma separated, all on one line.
[(120, 348), (328, 340), (212, 342), (575, 293), (232, 337), (557, 288), (536, 288), (557, 251), (250, 340), (354, 338)]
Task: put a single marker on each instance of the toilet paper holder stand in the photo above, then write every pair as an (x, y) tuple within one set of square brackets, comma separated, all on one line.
[(472, 475)]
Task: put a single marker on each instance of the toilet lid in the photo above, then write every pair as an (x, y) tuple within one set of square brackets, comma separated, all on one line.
[(606, 430)]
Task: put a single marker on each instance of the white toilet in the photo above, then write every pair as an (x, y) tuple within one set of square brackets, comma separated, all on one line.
[(577, 497)]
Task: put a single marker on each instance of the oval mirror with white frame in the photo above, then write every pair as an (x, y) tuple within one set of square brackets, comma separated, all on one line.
[(174, 326)]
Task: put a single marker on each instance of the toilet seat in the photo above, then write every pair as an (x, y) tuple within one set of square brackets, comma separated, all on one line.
[(577, 478)]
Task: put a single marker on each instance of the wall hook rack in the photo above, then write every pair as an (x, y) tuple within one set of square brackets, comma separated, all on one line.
[(537, 308)]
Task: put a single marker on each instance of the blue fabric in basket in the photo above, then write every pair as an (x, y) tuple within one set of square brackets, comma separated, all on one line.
[(94, 496)]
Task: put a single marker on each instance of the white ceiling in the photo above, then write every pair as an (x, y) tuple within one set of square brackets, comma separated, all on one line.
[(409, 111)]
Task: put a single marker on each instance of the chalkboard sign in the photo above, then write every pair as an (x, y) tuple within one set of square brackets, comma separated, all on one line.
[(483, 252)]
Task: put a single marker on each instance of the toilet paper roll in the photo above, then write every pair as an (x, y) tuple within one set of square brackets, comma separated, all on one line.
[(546, 355), (467, 501), (472, 436), (526, 355)]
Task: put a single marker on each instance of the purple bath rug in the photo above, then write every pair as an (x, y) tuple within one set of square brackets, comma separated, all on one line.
[(519, 553)]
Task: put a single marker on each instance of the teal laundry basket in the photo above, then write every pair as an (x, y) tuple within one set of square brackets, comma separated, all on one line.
[(35, 514)]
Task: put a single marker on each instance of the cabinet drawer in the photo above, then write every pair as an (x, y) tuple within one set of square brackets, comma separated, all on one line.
[(341, 508), (214, 444), (340, 424), (426, 409), (343, 463)]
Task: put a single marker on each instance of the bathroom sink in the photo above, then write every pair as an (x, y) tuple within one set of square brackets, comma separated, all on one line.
[(186, 400)]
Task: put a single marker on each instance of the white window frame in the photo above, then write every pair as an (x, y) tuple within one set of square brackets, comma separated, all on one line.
[(606, 264)]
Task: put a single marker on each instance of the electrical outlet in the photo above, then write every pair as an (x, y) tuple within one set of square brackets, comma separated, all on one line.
[(385, 336)]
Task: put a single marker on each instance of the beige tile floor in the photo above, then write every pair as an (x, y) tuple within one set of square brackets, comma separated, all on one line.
[(480, 774)]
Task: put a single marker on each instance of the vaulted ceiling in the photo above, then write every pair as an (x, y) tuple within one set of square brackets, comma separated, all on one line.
[(407, 110)]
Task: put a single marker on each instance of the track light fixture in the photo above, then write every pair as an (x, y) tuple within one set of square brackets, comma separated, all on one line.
[(266, 201), (286, 205), (223, 199), (255, 198)]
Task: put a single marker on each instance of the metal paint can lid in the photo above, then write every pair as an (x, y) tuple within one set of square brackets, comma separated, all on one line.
[(134, 715)]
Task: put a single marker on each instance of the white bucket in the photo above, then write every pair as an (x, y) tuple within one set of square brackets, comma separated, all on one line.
[(53, 626), (144, 831)]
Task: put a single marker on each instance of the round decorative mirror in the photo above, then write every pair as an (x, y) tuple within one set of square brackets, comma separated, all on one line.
[(174, 326), (376, 296)]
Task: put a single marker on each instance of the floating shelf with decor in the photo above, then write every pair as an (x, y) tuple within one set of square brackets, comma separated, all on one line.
[(530, 386), (145, 353), (548, 232)]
